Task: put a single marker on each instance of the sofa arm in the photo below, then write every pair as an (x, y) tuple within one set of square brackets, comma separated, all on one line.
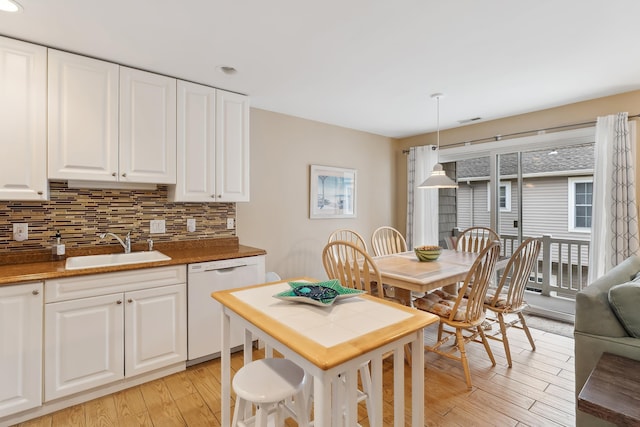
[(593, 312)]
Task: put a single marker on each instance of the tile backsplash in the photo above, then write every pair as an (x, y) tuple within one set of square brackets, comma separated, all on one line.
[(81, 214)]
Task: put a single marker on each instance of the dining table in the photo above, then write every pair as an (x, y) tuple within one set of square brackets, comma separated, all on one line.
[(330, 343), (405, 273)]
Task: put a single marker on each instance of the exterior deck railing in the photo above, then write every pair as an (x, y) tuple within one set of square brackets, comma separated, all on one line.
[(562, 265)]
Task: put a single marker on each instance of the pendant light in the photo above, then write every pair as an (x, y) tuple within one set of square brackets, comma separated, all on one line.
[(10, 6), (438, 178)]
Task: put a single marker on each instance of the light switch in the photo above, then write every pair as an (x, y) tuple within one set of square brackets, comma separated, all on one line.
[(191, 225)]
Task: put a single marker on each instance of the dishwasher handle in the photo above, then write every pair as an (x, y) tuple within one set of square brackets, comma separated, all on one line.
[(224, 269), (220, 265)]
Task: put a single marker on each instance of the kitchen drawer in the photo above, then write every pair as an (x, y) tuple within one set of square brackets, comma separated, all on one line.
[(108, 283)]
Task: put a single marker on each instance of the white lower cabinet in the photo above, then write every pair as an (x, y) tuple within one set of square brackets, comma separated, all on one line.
[(155, 328), (20, 347), (102, 328), (84, 344)]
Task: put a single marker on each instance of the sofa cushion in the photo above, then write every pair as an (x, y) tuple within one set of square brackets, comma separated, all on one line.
[(625, 302)]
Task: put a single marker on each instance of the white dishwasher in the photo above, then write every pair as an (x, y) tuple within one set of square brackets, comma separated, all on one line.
[(203, 312)]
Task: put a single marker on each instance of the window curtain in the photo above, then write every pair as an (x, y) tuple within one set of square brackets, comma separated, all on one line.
[(422, 208), (614, 226)]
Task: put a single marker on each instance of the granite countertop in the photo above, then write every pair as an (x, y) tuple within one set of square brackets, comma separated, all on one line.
[(37, 266)]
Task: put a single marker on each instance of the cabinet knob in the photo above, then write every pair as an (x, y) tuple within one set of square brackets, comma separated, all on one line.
[(35, 292), (113, 174), (119, 301), (40, 193), (129, 300), (124, 175)]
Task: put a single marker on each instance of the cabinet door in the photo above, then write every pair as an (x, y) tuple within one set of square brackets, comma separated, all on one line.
[(195, 180), (156, 328), (23, 121), (83, 344), (232, 147), (20, 347), (83, 118), (147, 127)]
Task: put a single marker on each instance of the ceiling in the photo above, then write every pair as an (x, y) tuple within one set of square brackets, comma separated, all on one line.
[(369, 65)]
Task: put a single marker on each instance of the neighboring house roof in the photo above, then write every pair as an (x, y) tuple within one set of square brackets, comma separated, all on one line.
[(575, 158)]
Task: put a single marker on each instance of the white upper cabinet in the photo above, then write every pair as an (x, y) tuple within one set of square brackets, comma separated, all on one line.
[(213, 145), (110, 123), (147, 127), (23, 121), (196, 153), (83, 118), (232, 147)]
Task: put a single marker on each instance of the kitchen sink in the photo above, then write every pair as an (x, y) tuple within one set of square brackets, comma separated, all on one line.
[(110, 260)]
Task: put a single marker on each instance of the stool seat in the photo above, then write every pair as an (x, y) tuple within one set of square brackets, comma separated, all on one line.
[(268, 380), (268, 383)]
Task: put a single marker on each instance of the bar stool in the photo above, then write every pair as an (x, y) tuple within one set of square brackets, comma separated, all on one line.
[(268, 384)]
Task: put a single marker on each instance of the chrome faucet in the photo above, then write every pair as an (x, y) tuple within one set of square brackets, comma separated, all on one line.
[(126, 244)]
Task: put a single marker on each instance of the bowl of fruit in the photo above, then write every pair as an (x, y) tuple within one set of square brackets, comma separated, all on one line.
[(427, 253)]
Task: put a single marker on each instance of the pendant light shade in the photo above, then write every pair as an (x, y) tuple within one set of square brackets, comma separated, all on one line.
[(438, 179)]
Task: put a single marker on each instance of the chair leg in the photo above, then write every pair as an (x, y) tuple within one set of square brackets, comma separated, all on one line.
[(407, 354), (486, 344), (526, 330), (365, 377), (300, 406), (440, 326), (278, 414), (262, 416), (239, 409), (463, 357), (505, 340)]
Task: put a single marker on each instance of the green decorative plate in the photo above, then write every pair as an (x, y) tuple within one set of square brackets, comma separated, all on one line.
[(317, 293)]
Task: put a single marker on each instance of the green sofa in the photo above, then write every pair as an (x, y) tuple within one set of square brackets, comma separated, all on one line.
[(598, 328)]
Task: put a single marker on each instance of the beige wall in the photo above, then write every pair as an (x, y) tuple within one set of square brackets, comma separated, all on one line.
[(277, 217), (560, 116)]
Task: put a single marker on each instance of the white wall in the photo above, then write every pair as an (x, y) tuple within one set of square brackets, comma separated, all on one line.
[(277, 217)]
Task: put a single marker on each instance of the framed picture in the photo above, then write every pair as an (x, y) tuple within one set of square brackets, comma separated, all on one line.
[(333, 192)]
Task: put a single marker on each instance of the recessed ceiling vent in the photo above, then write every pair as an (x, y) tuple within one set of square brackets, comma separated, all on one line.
[(465, 121)]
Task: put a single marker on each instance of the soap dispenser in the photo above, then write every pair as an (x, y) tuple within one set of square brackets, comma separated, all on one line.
[(58, 249)]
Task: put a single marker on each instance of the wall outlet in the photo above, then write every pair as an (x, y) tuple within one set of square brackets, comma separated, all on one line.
[(231, 223), (157, 226), (20, 231), (191, 225)]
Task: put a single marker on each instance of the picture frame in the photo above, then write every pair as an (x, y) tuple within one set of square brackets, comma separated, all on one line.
[(332, 192)]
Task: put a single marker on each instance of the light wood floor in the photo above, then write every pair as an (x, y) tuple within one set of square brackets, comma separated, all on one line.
[(537, 391)]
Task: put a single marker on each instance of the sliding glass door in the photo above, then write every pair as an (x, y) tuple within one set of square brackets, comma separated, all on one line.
[(544, 192)]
